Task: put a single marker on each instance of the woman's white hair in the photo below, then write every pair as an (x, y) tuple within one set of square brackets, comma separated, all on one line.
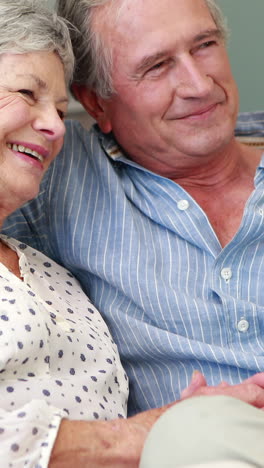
[(28, 26), (93, 57)]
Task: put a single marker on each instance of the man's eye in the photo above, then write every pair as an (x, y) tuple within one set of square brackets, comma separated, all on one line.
[(206, 44), (158, 66)]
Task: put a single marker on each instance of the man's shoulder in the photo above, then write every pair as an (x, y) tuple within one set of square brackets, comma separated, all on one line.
[(250, 124), (77, 134), (250, 128), (81, 142)]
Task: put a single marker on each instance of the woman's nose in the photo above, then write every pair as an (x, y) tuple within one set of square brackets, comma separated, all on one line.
[(50, 123)]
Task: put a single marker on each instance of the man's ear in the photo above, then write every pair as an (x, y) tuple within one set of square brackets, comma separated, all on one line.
[(94, 106)]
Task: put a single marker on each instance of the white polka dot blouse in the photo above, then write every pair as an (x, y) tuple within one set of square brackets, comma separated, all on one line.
[(57, 359)]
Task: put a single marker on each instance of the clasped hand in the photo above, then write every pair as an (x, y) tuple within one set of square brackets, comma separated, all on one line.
[(250, 391)]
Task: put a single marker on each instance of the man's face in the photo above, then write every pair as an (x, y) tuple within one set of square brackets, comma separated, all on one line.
[(175, 94)]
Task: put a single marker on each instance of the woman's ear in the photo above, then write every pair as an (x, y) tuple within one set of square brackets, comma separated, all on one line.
[(94, 105)]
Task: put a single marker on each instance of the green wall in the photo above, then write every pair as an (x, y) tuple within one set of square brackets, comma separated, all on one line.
[(246, 49)]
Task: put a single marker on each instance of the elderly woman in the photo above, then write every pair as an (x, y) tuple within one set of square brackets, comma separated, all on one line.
[(57, 358)]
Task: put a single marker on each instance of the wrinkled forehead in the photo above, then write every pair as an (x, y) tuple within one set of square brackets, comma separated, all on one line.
[(113, 14), (117, 21)]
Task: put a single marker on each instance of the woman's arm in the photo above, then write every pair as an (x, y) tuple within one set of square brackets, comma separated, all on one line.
[(119, 443), (96, 444)]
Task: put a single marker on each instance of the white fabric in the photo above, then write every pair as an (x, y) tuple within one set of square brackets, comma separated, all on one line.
[(222, 464), (57, 359), (206, 430)]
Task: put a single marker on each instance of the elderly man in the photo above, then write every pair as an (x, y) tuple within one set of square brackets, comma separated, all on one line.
[(158, 210)]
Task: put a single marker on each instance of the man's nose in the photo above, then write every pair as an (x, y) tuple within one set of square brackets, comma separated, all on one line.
[(192, 80)]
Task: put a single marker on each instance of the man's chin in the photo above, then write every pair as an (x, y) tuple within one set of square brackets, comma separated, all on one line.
[(206, 144)]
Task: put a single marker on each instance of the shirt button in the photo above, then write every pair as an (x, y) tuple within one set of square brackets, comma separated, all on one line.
[(226, 273), (183, 205), (243, 325), (261, 211)]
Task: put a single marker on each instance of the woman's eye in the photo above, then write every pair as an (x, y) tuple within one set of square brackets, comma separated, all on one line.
[(61, 114), (27, 92)]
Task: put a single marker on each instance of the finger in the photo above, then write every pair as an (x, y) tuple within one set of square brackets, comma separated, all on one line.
[(257, 379), (223, 385), (250, 393), (197, 381)]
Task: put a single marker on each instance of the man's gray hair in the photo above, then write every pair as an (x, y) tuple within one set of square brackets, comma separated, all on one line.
[(93, 56), (28, 26)]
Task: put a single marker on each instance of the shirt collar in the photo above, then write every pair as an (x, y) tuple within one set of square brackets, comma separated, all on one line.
[(115, 152)]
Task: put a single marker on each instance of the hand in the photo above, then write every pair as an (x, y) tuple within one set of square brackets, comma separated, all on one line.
[(250, 391)]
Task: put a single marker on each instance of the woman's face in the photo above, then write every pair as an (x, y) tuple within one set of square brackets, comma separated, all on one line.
[(33, 101)]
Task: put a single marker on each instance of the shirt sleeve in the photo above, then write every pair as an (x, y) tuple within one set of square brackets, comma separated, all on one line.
[(25, 223), (27, 435)]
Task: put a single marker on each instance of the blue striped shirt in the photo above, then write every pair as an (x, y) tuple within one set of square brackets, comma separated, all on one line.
[(150, 261)]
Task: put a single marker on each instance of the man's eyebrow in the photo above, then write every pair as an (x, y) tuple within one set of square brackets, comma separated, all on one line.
[(149, 60), (209, 32)]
